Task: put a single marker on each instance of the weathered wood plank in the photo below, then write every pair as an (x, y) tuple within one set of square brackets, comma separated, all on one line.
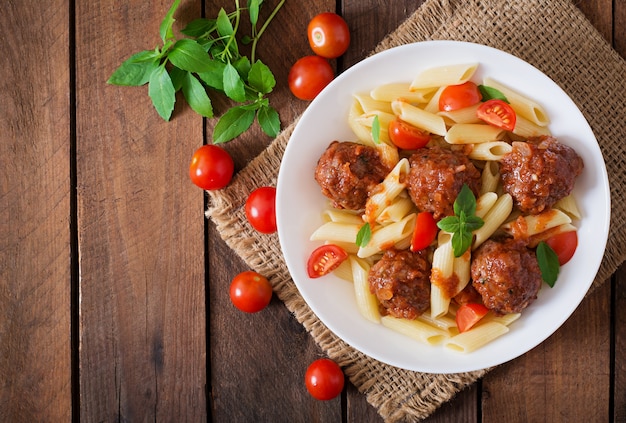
[(35, 367), (619, 368), (141, 237)]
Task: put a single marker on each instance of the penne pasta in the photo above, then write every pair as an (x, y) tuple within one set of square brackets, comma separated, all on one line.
[(384, 193), (473, 133), (444, 75), (477, 337), (568, 206), (419, 118), (490, 177), (366, 302), (396, 211), (534, 224), (495, 217), (385, 237), (395, 91), (464, 115), (490, 151), (416, 329), (523, 106), (369, 104), (526, 129), (484, 203), (336, 232)]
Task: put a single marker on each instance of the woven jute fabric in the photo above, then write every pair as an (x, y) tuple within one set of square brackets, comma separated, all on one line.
[(554, 36)]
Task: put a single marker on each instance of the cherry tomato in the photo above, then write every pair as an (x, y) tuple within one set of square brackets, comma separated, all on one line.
[(329, 35), (497, 113), (261, 209), (211, 167), (564, 245), (469, 314), (455, 97), (425, 231), (250, 291), (308, 76), (324, 379), (325, 259), (406, 136)]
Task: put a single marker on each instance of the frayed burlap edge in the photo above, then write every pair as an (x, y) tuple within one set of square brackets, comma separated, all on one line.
[(400, 395)]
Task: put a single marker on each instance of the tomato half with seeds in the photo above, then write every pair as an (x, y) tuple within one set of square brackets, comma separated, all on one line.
[(308, 77), (329, 35), (497, 113), (425, 231), (469, 314), (324, 379), (261, 209), (250, 291), (564, 245), (325, 259), (455, 97), (406, 136)]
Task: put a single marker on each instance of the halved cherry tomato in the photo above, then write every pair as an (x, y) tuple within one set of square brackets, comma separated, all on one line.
[(324, 379), (250, 291), (455, 97), (308, 76), (469, 314), (328, 35), (406, 136), (564, 245), (497, 113), (325, 259), (425, 231), (211, 167), (261, 209)]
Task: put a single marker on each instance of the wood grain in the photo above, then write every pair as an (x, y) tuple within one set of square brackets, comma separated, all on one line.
[(140, 228), (35, 366)]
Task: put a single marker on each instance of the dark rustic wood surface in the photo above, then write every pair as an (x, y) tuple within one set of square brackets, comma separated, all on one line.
[(113, 286)]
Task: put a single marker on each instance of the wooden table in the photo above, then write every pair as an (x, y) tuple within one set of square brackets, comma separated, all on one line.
[(114, 288)]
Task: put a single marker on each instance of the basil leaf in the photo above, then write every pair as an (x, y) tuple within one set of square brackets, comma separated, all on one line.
[(177, 75), (165, 29), (449, 224), (376, 130), (461, 241), (190, 56), (253, 10), (473, 223), (214, 77), (224, 26), (261, 78), (548, 263), (465, 201), (242, 65), (233, 85), (161, 91), (490, 93), (199, 27), (196, 96), (135, 70), (269, 120), (364, 235), (232, 124)]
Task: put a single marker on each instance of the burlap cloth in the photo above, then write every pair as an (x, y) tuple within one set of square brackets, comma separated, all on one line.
[(554, 36)]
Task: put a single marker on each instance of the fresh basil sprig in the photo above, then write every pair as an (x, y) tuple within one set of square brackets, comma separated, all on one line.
[(209, 60), (464, 221), (548, 263)]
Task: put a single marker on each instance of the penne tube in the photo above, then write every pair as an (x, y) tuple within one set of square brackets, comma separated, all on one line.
[(367, 120), (369, 104), (484, 203), (523, 106), (534, 240), (494, 218), (336, 232), (385, 237), (526, 129), (415, 329), (341, 216), (473, 133), (366, 302), (464, 115), (433, 105), (444, 75), (490, 177), (400, 90), (490, 151), (534, 224), (441, 273), (344, 271), (363, 133), (476, 337), (568, 206), (384, 193), (419, 118), (396, 211)]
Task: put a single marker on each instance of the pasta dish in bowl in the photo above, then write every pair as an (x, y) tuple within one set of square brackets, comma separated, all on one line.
[(435, 176)]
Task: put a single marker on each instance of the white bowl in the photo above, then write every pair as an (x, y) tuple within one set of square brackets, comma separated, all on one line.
[(299, 203)]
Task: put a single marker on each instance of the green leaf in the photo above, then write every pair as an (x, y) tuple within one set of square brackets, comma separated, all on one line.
[(449, 224), (269, 120), (190, 56), (232, 124), (465, 201), (253, 9), (364, 235), (199, 27), (196, 96), (464, 221), (214, 77), (135, 70), (161, 91), (224, 25), (461, 241), (233, 85), (165, 30), (242, 65), (548, 263), (376, 130), (490, 93), (177, 75), (473, 223), (261, 78)]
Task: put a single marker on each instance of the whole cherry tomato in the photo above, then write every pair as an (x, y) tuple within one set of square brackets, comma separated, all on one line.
[(406, 136), (211, 167), (324, 379), (308, 76), (454, 97), (325, 259), (564, 245), (329, 35), (250, 291), (497, 113), (261, 209)]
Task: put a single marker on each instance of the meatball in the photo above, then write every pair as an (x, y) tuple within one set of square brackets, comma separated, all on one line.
[(506, 275), (347, 172), (436, 177), (401, 282), (539, 172)]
